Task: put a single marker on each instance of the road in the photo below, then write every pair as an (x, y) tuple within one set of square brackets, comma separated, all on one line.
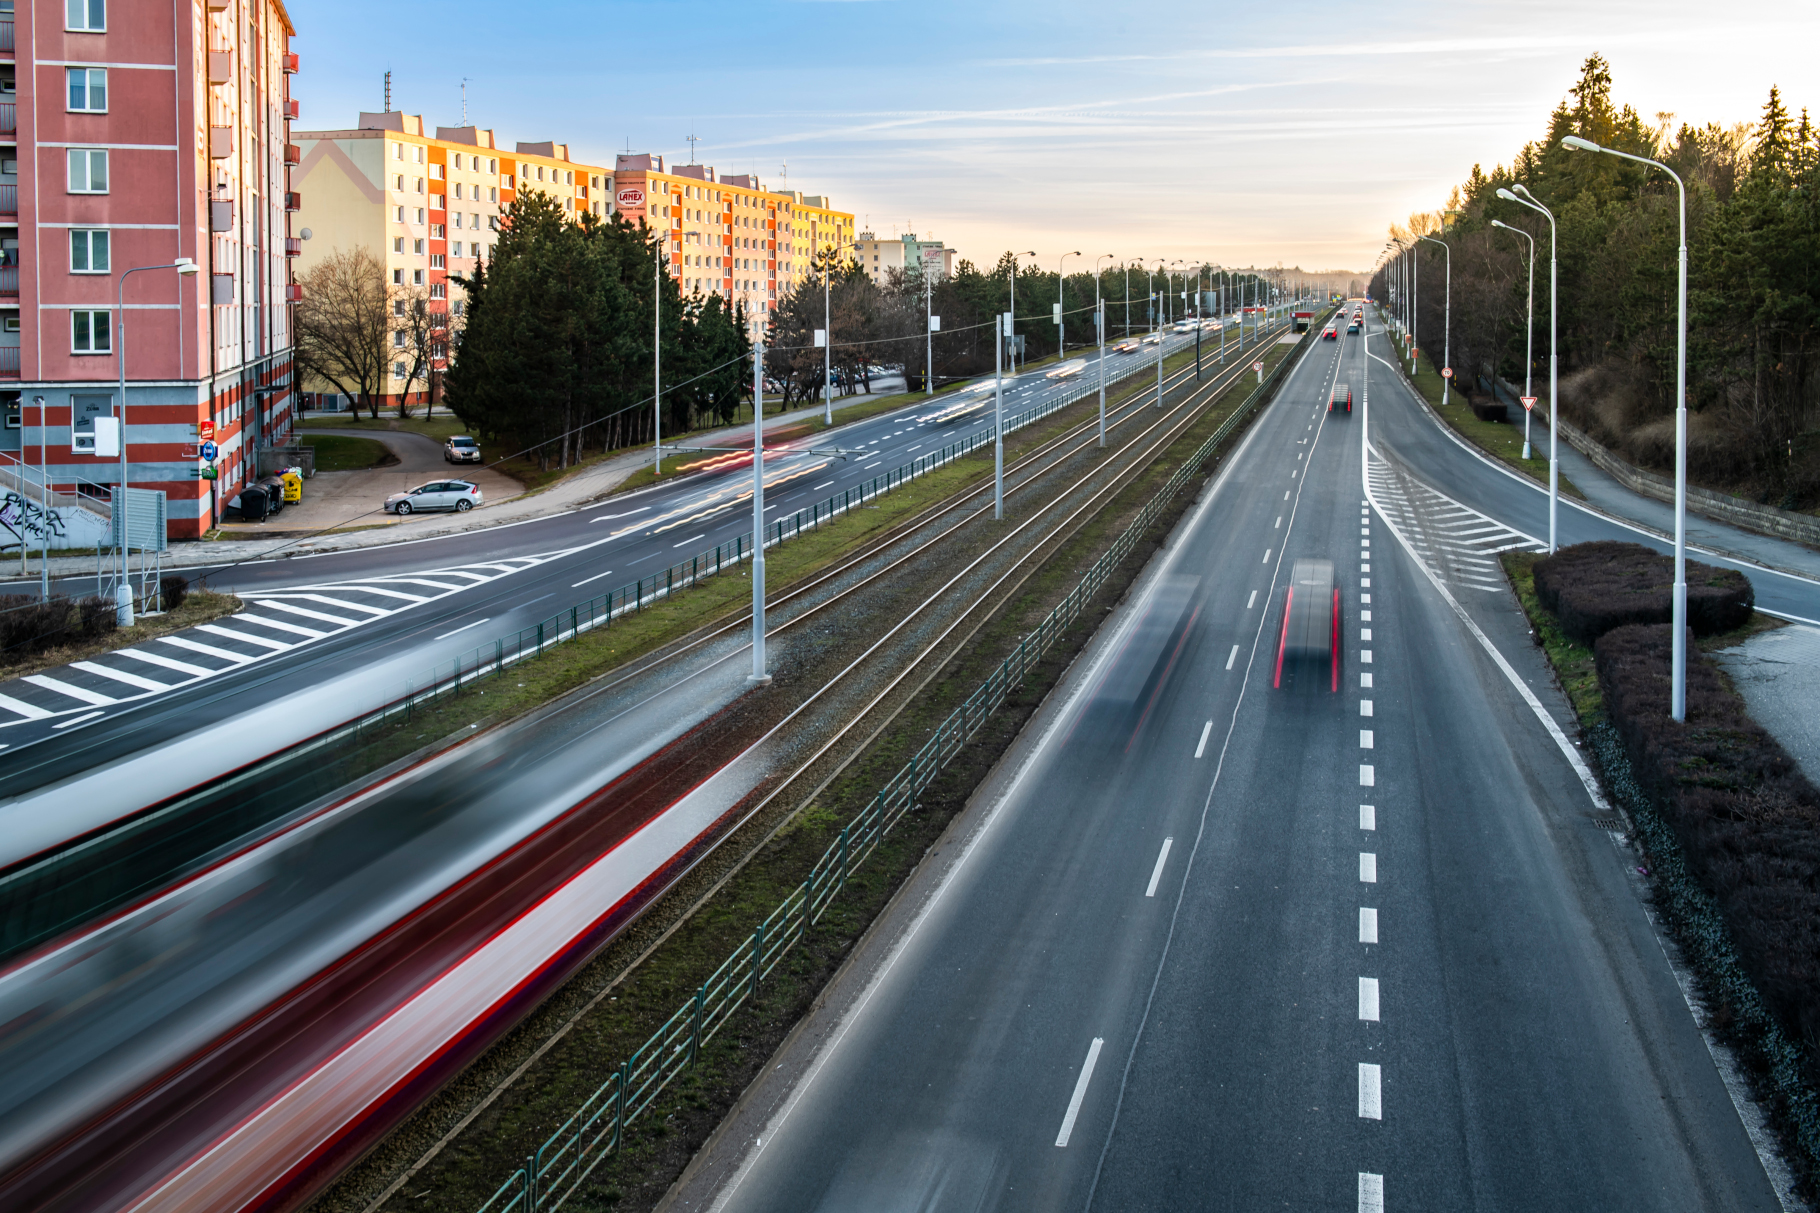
[(335, 635), (1205, 941)]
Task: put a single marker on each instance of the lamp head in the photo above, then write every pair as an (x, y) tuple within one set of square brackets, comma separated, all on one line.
[(1574, 143), (185, 266), (1524, 190), (1501, 223), (1506, 194)]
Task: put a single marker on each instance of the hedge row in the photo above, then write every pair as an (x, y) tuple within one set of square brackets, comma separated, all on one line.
[(1595, 587), (1747, 818), (29, 625)]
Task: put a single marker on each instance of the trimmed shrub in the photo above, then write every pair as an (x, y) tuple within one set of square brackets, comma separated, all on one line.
[(1489, 410), (1747, 818), (172, 590), (28, 625), (1595, 587), (97, 617)]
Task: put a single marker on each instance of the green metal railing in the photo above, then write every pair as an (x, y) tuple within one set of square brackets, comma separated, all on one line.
[(558, 1167)]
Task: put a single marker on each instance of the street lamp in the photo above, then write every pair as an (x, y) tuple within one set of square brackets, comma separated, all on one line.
[(1007, 322), (123, 594), (1099, 320), (1678, 680), (1159, 336), (1014, 257), (1446, 319), (758, 515), (1529, 345), (1061, 344), (1554, 467)]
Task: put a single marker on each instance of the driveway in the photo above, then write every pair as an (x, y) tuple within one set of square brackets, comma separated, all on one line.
[(354, 498)]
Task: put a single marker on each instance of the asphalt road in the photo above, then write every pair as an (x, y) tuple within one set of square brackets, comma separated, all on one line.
[(386, 617), (1208, 942)]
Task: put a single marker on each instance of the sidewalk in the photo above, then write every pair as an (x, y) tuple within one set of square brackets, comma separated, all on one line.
[(1778, 673), (573, 492)]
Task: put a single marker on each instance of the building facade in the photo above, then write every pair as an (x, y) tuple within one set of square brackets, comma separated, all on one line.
[(428, 206), (728, 234), (905, 253), (132, 136)]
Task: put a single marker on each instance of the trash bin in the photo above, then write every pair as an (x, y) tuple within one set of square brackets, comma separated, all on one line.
[(292, 480)]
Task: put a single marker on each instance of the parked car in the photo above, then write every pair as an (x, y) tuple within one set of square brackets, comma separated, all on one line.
[(458, 495), (461, 449)]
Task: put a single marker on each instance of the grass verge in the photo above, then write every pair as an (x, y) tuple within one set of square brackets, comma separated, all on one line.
[(660, 1145), (339, 453), (199, 606)]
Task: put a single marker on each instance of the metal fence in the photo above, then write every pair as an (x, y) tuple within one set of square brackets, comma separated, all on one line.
[(557, 1169)]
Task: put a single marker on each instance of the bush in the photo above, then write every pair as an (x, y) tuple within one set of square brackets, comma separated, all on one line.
[(1489, 410), (1747, 819), (28, 625), (96, 617), (172, 590), (1595, 587)]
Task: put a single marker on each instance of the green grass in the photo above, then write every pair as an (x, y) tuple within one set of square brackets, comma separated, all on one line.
[(443, 426), (335, 453), (1572, 661)]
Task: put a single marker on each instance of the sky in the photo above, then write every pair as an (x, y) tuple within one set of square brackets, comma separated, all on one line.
[(1239, 134)]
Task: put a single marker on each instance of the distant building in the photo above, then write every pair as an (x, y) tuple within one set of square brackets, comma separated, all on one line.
[(427, 205), (906, 253), (146, 135)]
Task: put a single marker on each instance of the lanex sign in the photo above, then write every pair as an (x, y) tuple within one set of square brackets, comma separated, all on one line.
[(632, 195)]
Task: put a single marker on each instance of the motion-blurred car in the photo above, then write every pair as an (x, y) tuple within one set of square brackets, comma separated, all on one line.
[(1311, 622), (461, 449), (1354, 326), (1332, 334), (1153, 338), (1128, 346), (1340, 401), (457, 495)]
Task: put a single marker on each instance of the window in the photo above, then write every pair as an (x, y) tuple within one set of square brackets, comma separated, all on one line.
[(568, 178), (437, 231), (439, 290), (458, 193), (420, 214), (436, 172), (88, 251), (458, 220), (398, 244), (457, 159), (420, 155), (492, 166), (398, 182), (10, 325), (492, 195), (88, 16), (456, 250), (398, 339), (398, 370), (397, 277), (88, 170), (397, 307), (398, 151), (91, 332), (420, 185), (459, 306), (437, 262), (540, 172), (87, 89), (437, 202), (417, 247), (416, 277), (400, 212)]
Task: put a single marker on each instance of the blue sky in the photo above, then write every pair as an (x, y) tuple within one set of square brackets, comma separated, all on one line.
[(1243, 134)]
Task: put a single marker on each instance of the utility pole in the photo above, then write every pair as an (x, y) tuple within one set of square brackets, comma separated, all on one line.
[(998, 415), (758, 515)]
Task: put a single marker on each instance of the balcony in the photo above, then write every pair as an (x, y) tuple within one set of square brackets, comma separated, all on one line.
[(293, 247), (9, 201), (9, 354), (293, 154), (6, 45), (221, 142), (9, 119), (293, 201), (290, 62), (293, 293), (291, 109), (9, 282), (221, 67)]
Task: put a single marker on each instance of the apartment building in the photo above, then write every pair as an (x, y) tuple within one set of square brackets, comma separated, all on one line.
[(428, 205), (728, 234), (135, 136), (904, 252)]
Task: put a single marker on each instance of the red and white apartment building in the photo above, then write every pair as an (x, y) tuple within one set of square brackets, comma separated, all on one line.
[(135, 134)]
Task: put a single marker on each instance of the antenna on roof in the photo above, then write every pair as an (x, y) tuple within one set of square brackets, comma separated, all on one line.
[(692, 137), (388, 92), (464, 101)]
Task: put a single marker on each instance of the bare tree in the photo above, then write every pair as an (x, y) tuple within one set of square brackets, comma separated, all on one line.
[(416, 332), (344, 325)]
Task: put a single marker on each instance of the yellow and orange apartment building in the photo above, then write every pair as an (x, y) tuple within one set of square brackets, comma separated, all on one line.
[(428, 205)]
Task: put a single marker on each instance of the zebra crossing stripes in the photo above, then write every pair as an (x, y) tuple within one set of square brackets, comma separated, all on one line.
[(1455, 542), (273, 623)]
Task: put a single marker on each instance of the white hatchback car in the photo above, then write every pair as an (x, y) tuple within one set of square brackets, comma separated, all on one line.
[(457, 495)]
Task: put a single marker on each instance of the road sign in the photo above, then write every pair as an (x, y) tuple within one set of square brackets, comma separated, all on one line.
[(209, 451), (1447, 372), (1257, 366), (1529, 402), (205, 430)]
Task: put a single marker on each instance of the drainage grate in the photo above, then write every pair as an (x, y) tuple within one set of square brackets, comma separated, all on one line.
[(1609, 823)]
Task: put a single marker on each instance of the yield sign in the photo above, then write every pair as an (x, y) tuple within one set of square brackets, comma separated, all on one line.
[(1529, 402)]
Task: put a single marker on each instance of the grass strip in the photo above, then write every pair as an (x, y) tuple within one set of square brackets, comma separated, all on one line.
[(655, 1150), (1780, 1066), (340, 453)]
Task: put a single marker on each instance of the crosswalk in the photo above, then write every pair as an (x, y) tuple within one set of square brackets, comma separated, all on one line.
[(1458, 544), (273, 622)]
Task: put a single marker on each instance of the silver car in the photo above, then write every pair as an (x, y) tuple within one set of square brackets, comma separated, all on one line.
[(457, 495), (461, 449)]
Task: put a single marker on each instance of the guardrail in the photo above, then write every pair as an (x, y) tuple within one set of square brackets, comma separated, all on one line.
[(52, 895), (564, 1161)]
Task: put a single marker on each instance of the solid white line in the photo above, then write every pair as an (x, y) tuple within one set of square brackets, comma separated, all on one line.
[(1156, 873), (1368, 925), (1368, 817), (1368, 867), (1252, 601), (1368, 775), (1371, 1192), (1080, 1091), (1201, 748), (608, 517), (76, 720), (464, 627), (584, 581), (1232, 656), (131, 680), (1368, 986), (1371, 1091)]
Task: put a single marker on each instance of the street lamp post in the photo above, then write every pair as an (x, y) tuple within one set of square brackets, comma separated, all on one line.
[(928, 331), (1099, 321), (1159, 337), (758, 515), (1061, 344), (1554, 301), (1678, 669), (657, 362), (1529, 344), (123, 594), (828, 333), (1446, 318), (1013, 352), (1006, 323)]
